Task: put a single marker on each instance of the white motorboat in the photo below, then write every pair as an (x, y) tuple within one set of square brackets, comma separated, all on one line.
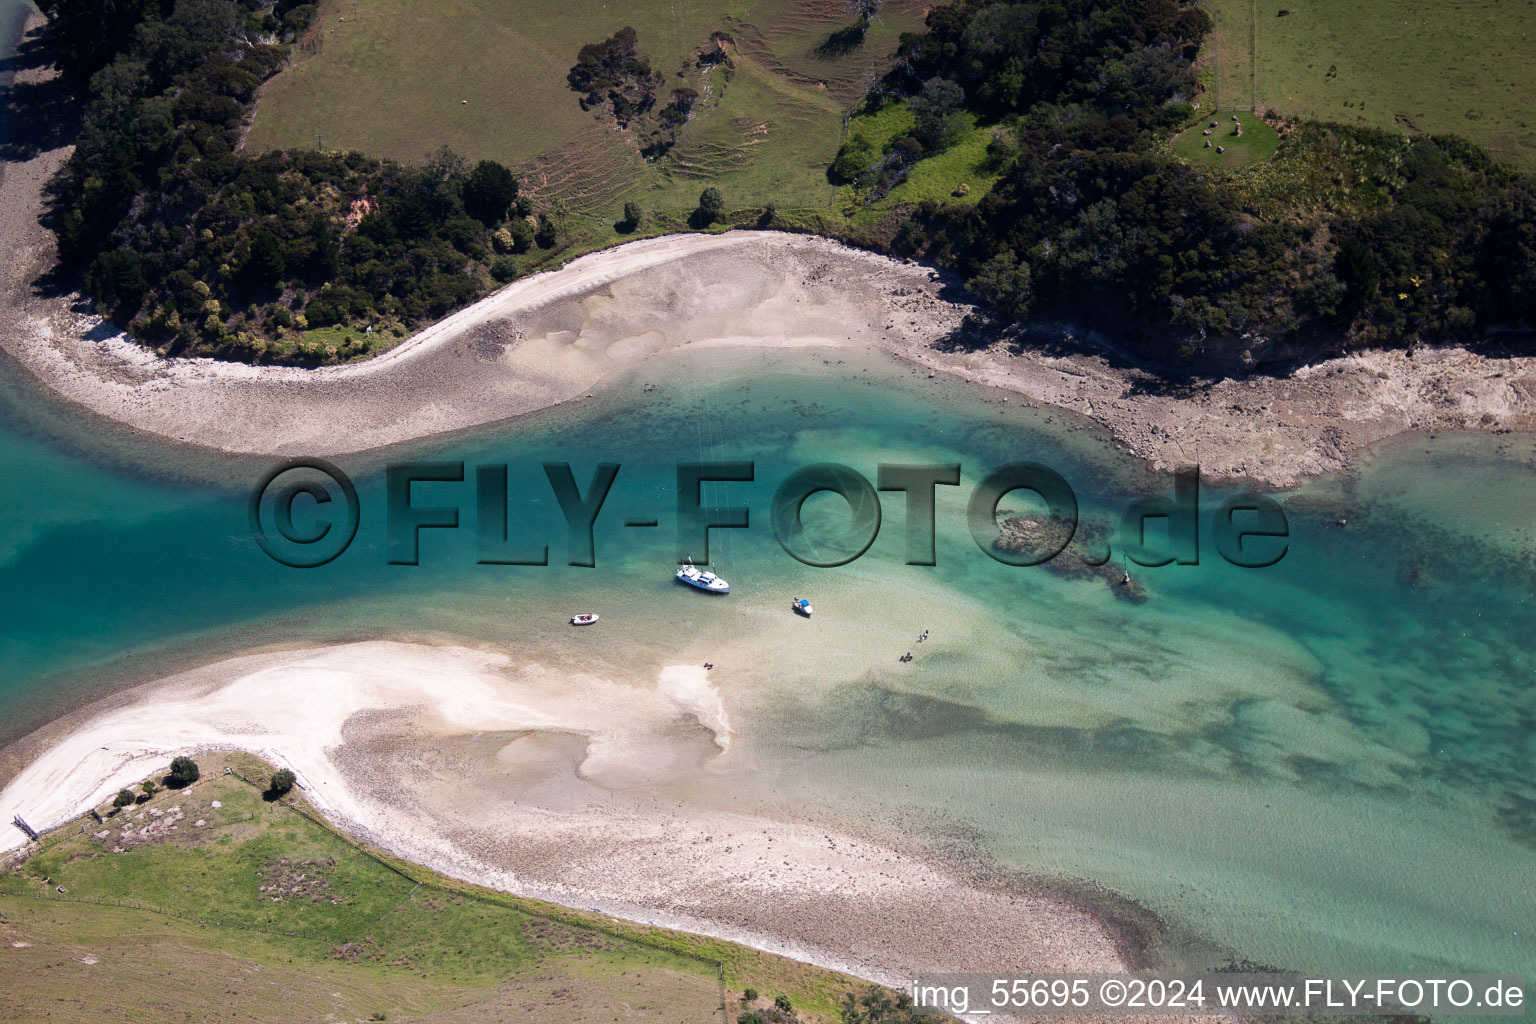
[(584, 619), (801, 606), (705, 581)]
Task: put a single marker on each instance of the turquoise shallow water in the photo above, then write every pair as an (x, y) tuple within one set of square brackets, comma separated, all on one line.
[(1327, 764)]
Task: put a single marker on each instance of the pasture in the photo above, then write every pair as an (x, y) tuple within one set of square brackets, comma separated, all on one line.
[(962, 173), (217, 903), (1257, 143), (487, 78), (1412, 66), (1227, 55)]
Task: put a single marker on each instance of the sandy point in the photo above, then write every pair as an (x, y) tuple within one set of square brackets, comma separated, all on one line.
[(569, 787)]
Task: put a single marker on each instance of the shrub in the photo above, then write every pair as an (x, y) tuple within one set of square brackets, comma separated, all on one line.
[(282, 781), (505, 269), (1004, 145), (149, 787), (547, 232), (461, 233), (782, 1002), (123, 799), (749, 995), (853, 159), (502, 240), (1460, 321), (632, 215), (184, 772), (711, 205), (522, 234)]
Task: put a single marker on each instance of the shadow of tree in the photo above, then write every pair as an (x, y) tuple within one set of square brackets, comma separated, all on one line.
[(843, 41), (981, 330), (39, 116)]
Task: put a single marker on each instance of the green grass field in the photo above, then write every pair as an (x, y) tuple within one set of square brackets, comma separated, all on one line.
[(1228, 54), (963, 173), (263, 914), (1257, 143), (1428, 66), (391, 78)]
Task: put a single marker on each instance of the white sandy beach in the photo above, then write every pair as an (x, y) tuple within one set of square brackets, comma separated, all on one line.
[(544, 783), (555, 337)]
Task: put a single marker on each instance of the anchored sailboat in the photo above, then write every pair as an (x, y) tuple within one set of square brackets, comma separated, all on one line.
[(705, 581)]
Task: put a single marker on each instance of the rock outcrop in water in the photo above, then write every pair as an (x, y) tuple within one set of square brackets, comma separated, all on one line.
[(1085, 557)]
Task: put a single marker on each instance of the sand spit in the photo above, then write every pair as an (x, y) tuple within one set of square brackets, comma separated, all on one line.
[(554, 337), (553, 784)]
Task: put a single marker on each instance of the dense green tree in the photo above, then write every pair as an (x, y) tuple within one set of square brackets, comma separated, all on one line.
[(711, 205), (123, 799), (614, 72), (522, 234), (283, 780), (1003, 283), (184, 772), (85, 35), (117, 279), (937, 111), (1094, 222), (504, 269), (489, 192), (219, 231), (266, 265), (853, 159), (547, 232), (1355, 267)]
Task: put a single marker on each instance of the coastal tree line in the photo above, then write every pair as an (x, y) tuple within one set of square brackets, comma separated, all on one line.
[(198, 248), (1349, 236), (1360, 236)]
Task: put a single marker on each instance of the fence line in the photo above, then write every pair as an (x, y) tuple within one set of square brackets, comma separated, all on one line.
[(1253, 59)]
